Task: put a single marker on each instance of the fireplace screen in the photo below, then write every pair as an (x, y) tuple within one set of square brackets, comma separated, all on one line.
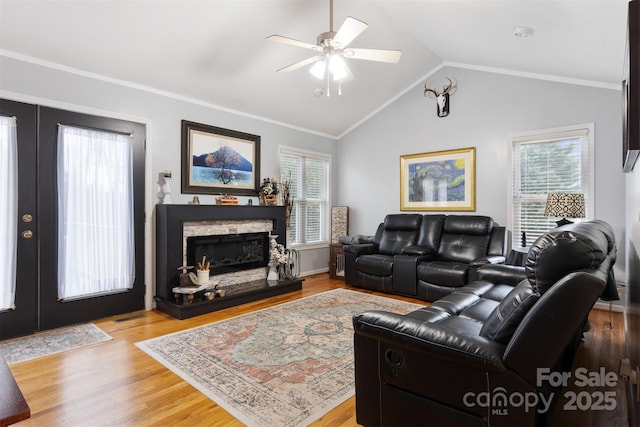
[(229, 253)]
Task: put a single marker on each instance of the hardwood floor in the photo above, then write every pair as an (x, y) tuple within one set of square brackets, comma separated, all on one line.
[(115, 384)]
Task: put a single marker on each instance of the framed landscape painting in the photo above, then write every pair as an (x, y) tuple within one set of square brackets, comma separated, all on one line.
[(438, 181), (219, 161)]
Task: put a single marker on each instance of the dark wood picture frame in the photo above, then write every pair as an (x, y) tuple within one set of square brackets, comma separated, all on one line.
[(219, 161), (631, 91)]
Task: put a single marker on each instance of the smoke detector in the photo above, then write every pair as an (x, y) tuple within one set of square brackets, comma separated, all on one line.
[(523, 32)]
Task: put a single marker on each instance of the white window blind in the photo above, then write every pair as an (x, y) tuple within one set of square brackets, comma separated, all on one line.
[(308, 173), (8, 210), (545, 162), (96, 250)]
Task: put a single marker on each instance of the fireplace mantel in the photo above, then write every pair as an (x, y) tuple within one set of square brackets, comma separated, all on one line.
[(170, 221)]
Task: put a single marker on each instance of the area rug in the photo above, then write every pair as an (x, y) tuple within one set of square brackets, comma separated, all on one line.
[(41, 344), (282, 366)]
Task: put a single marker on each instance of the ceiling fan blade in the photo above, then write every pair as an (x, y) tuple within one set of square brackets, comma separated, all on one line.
[(294, 42), (299, 64), (350, 29), (380, 55)]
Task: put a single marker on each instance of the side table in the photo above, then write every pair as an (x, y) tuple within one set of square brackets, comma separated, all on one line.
[(518, 256)]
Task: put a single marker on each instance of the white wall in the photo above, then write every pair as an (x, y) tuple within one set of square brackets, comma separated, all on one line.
[(43, 85), (485, 110)]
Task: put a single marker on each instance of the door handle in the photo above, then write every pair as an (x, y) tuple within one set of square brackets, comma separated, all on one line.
[(27, 234)]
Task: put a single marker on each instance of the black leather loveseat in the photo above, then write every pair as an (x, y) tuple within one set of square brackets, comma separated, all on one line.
[(482, 355), (425, 256)]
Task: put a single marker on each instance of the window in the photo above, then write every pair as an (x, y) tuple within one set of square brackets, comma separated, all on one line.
[(308, 173), (95, 205), (9, 210), (548, 161)]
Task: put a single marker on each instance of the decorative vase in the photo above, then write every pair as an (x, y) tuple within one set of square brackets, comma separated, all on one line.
[(273, 271), (292, 266)]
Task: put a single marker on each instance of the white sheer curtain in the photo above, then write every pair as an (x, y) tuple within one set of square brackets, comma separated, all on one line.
[(95, 212), (8, 211)]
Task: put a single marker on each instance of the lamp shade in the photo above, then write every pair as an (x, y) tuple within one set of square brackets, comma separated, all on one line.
[(562, 205), (318, 69), (332, 63)]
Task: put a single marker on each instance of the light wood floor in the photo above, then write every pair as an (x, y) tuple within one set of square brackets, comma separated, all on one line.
[(116, 384)]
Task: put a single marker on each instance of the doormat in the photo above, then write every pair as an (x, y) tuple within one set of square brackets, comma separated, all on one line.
[(285, 365), (54, 341)]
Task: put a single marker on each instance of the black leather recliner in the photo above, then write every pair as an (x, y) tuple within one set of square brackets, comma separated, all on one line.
[(375, 261), (433, 256), (471, 357)]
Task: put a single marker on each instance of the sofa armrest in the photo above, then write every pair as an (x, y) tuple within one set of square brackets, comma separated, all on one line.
[(501, 274), (361, 249), (404, 274), (351, 253), (485, 260), (431, 340), (419, 251), (405, 266), (499, 241), (489, 259)]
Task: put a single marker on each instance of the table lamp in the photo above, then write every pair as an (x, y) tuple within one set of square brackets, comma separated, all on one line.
[(562, 205)]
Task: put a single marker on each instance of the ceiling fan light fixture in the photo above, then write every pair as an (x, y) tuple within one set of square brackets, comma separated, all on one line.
[(318, 69), (337, 67), (331, 50)]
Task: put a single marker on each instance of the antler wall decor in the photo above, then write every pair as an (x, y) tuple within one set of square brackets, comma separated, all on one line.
[(442, 98)]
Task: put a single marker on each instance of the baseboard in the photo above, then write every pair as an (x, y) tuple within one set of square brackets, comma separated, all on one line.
[(312, 272), (617, 306), (605, 306)]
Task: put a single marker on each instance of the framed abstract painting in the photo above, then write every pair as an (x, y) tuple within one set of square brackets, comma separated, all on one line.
[(438, 181)]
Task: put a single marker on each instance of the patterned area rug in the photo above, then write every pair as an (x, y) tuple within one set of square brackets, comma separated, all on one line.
[(41, 344), (282, 366)]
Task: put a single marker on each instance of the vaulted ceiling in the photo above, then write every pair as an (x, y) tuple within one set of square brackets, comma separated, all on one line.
[(216, 52)]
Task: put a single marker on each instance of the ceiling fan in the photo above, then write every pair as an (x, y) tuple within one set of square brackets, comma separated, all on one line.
[(332, 50)]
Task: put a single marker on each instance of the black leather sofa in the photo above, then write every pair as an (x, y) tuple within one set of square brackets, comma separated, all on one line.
[(425, 256), (477, 357)]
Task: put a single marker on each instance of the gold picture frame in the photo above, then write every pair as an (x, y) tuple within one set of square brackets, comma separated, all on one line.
[(438, 181)]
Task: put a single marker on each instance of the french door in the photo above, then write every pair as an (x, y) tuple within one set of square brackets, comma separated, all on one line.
[(61, 243), (18, 314)]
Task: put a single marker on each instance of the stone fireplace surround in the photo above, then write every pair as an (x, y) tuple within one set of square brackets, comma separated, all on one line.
[(174, 223)]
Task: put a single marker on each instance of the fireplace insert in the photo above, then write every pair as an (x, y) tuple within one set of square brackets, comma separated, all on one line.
[(229, 253)]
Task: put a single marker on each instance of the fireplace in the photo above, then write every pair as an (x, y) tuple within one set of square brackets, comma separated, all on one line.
[(213, 224), (229, 253)]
